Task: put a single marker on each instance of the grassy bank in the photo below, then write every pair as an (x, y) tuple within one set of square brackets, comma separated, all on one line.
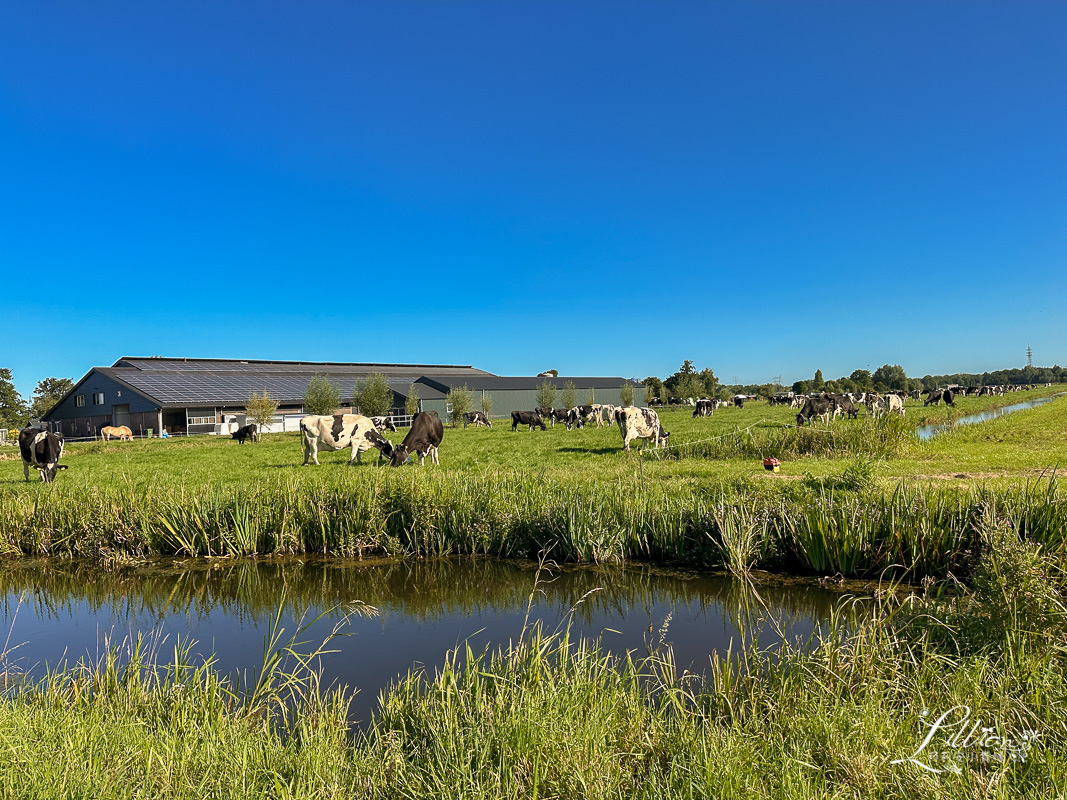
[(551, 717), (857, 498)]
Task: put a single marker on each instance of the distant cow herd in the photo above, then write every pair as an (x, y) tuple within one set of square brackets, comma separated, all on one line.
[(41, 449)]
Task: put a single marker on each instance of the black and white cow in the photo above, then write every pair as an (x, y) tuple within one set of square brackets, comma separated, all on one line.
[(820, 407), (384, 423), (843, 405), (559, 415), (41, 450), (543, 411), (640, 423), (339, 431), (531, 418), (249, 432), (424, 438), (739, 400), (705, 408), (478, 418)]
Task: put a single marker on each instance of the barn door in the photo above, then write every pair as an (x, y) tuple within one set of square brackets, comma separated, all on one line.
[(120, 414)]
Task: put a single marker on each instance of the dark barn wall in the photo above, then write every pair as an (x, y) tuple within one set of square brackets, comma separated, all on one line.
[(77, 421)]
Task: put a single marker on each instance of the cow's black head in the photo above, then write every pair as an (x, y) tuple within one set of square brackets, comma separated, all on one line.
[(400, 456)]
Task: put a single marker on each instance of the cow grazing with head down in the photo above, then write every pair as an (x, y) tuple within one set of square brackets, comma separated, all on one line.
[(640, 423), (531, 418), (424, 438), (41, 450), (705, 408), (249, 431), (478, 418), (339, 431), (821, 407), (121, 431)]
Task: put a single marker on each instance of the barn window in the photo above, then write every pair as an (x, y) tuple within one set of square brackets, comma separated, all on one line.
[(79, 400), (98, 398)]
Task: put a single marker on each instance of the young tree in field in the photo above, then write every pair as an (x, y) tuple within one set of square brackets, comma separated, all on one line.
[(626, 394), (569, 396), (653, 388), (260, 409), (13, 412), (711, 383), (47, 393), (546, 395), (373, 397), (590, 397), (460, 401), (322, 396), (411, 405), (487, 404)]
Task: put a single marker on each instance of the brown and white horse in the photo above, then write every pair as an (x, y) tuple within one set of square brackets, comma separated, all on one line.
[(120, 431)]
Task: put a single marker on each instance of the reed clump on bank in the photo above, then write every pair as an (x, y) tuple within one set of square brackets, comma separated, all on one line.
[(841, 714), (818, 526)]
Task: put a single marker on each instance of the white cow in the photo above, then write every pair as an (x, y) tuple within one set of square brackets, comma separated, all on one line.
[(894, 403), (339, 431), (640, 423)]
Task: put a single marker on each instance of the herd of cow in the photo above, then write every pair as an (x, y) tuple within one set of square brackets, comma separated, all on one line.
[(41, 449)]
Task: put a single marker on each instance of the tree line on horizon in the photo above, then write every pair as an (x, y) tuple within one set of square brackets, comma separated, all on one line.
[(688, 382)]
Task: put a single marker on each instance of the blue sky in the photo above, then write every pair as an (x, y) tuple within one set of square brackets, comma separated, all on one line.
[(600, 188)]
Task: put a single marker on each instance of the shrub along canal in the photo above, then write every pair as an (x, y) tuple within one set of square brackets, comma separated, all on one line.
[(72, 612)]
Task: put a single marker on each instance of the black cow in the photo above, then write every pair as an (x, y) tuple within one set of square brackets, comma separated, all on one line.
[(934, 398), (739, 400), (543, 411), (478, 418), (246, 432), (815, 407), (41, 450), (424, 438), (531, 418)]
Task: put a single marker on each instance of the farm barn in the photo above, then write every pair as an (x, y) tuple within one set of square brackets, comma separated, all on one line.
[(189, 396)]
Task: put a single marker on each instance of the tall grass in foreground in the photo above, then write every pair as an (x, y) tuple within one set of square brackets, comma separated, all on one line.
[(550, 716), (818, 526)]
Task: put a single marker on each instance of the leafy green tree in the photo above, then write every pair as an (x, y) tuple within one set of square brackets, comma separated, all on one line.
[(322, 396), (13, 411), (373, 396), (653, 388), (801, 387), (411, 405), (47, 393), (888, 377), (626, 394), (688, 385), (546, 395), (460, 400), (711, 383), (818, 383), (862, 380), (260, 409), (569, 396)]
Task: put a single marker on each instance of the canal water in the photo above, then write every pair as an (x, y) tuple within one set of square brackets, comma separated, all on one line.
[(928, 432), (55, 614)]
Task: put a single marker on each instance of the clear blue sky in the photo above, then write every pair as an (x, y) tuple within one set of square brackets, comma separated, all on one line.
[(600, 188)]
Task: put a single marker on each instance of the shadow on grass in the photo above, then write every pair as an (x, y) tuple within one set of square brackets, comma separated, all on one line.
[(600, 451)]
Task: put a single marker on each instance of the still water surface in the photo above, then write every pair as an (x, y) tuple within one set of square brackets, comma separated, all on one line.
[(424, 609)]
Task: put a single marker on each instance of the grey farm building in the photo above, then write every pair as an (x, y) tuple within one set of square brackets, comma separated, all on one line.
[(187, 396)]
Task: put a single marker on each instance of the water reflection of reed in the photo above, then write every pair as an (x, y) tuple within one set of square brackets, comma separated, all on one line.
[(422, 590)]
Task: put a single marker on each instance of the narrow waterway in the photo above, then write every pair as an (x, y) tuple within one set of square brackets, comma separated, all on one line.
[(55, 614), (928, 432)]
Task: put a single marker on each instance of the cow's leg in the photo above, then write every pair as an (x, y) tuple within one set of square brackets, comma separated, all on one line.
[(26, 470)]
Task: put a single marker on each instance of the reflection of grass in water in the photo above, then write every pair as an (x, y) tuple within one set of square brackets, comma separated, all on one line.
[(432, 589), (552, 715)]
